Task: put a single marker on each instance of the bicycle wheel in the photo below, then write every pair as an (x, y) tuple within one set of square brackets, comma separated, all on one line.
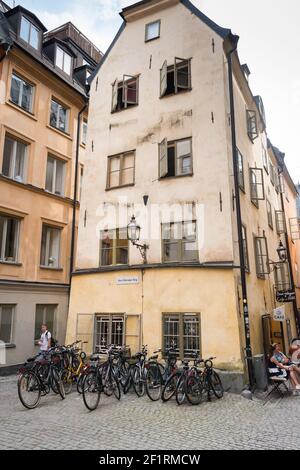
[(57, 383), (169, 388), (153, 382), (91, 390), (29, 390), (194, 390), (80, 383), (181, 390), (67, 381), (216, 384), (112, 386), (138, 382)]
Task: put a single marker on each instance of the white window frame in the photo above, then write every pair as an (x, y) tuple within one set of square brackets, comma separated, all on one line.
[(12, 163), (52, 191), (31, 26), (13, 307), (64, 53), (4, 234), (22, 81), (60, 106), (158, 22), (47, 248)]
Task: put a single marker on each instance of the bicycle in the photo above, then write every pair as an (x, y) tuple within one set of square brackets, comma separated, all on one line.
[(157, 374)]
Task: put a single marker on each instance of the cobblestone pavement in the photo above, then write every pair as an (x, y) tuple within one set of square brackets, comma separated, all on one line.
[(137, 423)]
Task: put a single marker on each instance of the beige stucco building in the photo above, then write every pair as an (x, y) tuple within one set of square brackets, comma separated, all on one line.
[(161, 133), (43, 100)]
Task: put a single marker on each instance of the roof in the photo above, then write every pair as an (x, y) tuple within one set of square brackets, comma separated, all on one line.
[(223, 32), (20, 9), (280, 159)]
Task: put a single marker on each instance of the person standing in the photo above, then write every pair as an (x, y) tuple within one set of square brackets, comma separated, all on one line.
[(45, 341)]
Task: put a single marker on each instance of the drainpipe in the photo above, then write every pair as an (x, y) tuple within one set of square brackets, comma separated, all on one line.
[(76, 189), (239, 219), (296, 314)]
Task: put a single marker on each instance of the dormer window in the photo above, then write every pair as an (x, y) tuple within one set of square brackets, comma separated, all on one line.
[(63, 60), (29, 33)]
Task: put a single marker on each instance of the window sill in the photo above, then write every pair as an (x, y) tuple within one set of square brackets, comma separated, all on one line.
[(163, 178), (152, 39), (120, 187), (11, 263), (23, 111), (49, 268), (175, 94), (124, 109), (242, 189), (10, 346), (62, 133), (255, 204)]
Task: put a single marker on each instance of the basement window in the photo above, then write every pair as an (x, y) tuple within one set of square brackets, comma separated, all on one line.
[(175, 78), (125, 94), (175, 158)]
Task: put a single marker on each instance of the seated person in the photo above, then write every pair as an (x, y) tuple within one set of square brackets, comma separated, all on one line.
[(294, 352), (285, 368)]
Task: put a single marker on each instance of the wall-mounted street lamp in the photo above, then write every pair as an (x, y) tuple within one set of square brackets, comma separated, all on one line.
[(133, 234), (282, 255)]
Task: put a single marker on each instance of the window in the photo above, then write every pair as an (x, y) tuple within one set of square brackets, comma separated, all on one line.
[(9, 235), (280, 222), (179, 242), (272, 172), (114, 247), (55, 175), (109, 330), (120, 170), (44, 314), (63, 60), (257, 190), (81, 182), (175, 158), (6, 323), (84, 131), (59, 116), (245, 247), (294, 223), (265, 159), (175, 78), (269, 214), (282, 277), (181, 331), (261, 256), (125, 94), (252, 124), (50, 250), (240, 164), (14, 159), (21, 93), (152, 30), (29, 33)]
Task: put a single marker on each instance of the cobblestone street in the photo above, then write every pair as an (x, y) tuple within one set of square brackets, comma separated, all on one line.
[(132, 423)]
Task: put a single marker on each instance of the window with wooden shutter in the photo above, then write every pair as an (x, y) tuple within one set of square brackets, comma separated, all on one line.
[(163, 158), (240, 165), (114, 104), (280, 222), (282, 277), (163, 78), (182, 74), (257, 190), (261, 256), (252, 124), (269, 214), (130, 90)]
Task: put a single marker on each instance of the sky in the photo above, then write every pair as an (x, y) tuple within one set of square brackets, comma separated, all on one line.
[(269, 44)]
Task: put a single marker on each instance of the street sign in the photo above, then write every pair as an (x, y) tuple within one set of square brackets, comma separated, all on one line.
[(123, 281), (288, 296), (279, 313)]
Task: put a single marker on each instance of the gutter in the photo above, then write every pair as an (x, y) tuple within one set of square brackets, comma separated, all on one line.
[(72, 255), (238, 216)]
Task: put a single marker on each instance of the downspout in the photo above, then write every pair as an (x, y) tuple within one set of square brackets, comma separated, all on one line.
[(239, 218), (75, 189), (289, 261)]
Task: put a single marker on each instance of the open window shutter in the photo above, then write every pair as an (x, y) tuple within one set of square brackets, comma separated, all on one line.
[(262, 256), (252, 124), (114, 95), (182, 75), (257, 184), (130, 90), (163, 158), (280, 222), (295, 228), (163, 78)]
